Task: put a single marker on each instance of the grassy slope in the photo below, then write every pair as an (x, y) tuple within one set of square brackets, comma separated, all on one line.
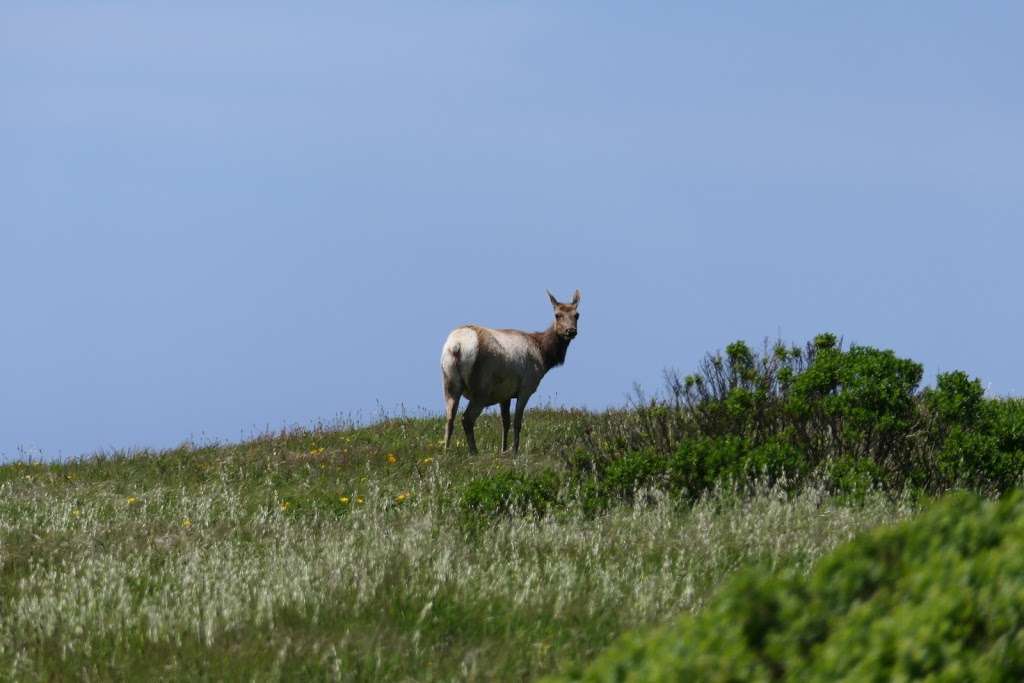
[(935, 598), (243, 561)]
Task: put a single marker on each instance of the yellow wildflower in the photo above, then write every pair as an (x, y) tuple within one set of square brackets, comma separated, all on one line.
[(132, 500), (343, 499), (400, 498), (360, 500), (284, 505), (426, 461), (186, 523), (392, 458)]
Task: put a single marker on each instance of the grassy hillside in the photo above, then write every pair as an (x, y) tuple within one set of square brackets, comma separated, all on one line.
[(940, 598), (349, 555), (367, 554)]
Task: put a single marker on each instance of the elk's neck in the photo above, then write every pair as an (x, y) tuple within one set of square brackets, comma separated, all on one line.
[(552, 347)]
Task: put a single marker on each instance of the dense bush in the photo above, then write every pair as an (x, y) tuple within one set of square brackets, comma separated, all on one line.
[(701, 464), (852, 419), (855, 418), (624, 477), (1006, 423), (971, 441), (512, 491), (858, 402), (939, 596)]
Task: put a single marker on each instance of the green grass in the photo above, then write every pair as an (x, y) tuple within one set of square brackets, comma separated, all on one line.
[(243, 561), (936, 598)]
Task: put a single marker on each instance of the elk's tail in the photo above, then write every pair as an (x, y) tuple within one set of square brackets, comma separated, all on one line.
[(458, 356), (452, 374)]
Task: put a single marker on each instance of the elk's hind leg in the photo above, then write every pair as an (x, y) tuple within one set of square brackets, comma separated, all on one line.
[(469, 416), (451, 408)]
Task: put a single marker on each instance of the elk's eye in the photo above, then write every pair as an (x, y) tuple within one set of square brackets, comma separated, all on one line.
[(577, 316)]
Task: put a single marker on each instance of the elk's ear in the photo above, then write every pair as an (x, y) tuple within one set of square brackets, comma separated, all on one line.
[(576, 298), (554, 301)]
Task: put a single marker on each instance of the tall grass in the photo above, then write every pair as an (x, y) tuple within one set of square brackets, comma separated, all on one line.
[(258, 561)]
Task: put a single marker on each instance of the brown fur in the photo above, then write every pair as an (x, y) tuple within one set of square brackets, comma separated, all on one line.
[(484, 369), (552, 347)]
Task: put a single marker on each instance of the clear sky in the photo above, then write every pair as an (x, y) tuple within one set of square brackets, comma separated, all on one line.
[(217, 217)]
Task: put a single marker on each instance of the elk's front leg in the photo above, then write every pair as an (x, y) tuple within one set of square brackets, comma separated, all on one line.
[(518, 424), (506, 422)]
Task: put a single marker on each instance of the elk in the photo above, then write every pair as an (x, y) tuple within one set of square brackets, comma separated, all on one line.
[(490, 366)]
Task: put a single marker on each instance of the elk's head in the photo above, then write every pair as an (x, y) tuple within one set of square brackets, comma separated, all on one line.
[(566, 316)]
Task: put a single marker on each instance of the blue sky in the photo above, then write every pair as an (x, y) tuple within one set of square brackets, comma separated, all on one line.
[(222, 217)]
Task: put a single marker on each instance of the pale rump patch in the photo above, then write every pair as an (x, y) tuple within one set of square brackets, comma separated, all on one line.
[(458, 355)]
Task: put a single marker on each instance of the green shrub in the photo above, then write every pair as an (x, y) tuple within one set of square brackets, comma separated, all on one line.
[(511, 491), (738, 394), (955, 400), (702, 464), (822, 399), (855, 418), (642, 469), (852, 418), (860, 401), (776, 460), (1005, 418), (699, 464), (620, 480), (853, 476), (939, 597), (973, 459)]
